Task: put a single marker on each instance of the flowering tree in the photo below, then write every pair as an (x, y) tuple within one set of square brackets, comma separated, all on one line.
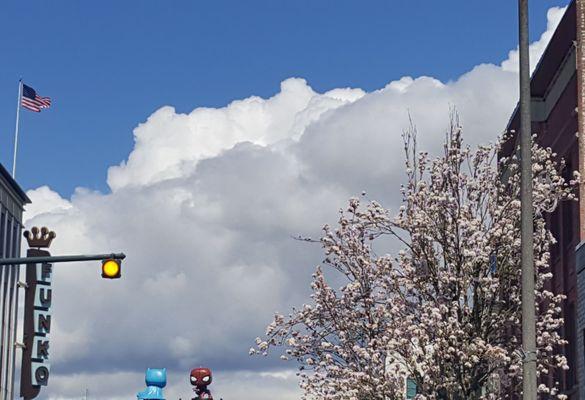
[(446, 311)]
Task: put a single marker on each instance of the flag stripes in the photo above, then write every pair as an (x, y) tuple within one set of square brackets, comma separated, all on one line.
[(32, 101)]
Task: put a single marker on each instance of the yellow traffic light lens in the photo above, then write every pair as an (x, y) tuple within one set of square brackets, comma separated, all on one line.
[(111, 269)]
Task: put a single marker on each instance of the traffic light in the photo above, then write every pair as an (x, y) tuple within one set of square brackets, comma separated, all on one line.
[(111, 268)]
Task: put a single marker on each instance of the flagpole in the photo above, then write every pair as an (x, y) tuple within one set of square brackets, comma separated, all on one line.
[(16, 128)]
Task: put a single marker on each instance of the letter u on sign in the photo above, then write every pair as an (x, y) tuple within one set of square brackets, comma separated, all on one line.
[(43, 296)]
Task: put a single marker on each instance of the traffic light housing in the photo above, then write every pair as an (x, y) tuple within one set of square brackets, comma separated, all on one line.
[(111, 268)]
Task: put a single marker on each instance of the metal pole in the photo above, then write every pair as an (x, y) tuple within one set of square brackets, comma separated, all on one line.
[(580, 5), (529, 388), (16, 128), (55, 259), (580, 35)]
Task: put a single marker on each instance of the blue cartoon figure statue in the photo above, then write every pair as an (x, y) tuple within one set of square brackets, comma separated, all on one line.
[(156, 380)]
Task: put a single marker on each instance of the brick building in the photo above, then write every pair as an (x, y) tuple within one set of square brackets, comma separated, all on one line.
[(557, 112)]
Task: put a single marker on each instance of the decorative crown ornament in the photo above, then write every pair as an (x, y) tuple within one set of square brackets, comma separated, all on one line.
[(39, 237)]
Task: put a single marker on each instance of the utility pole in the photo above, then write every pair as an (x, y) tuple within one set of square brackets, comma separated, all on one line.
[(580, 250), (580, 5), (529, 387)]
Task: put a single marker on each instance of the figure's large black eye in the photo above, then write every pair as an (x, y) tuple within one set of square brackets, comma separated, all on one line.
[(193, 379), (206, 379)]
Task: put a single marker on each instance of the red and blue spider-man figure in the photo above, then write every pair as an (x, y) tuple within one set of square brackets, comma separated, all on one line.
[(201, 378)]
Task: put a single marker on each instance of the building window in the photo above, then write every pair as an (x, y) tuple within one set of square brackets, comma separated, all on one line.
[(493, 263), (570, 347), (410, 388), (8, 242), (583, 333), (2, 234), (567, 209), (554, 229), (15, 240)]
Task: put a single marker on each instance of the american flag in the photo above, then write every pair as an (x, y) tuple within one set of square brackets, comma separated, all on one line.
[(32, 101)]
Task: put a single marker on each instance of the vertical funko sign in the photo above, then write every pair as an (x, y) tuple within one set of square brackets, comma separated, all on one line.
[(37, 326), (42, 325)]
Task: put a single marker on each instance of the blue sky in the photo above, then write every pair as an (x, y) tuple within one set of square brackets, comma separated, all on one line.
[(108, 65)]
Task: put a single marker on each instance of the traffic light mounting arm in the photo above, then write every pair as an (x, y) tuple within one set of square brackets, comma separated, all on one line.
[(56, 259)]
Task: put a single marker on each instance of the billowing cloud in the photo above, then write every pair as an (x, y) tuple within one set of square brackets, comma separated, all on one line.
[(169, 145), (205, 207)]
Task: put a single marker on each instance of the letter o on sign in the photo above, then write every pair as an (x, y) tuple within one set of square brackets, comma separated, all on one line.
[(42, 376)]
